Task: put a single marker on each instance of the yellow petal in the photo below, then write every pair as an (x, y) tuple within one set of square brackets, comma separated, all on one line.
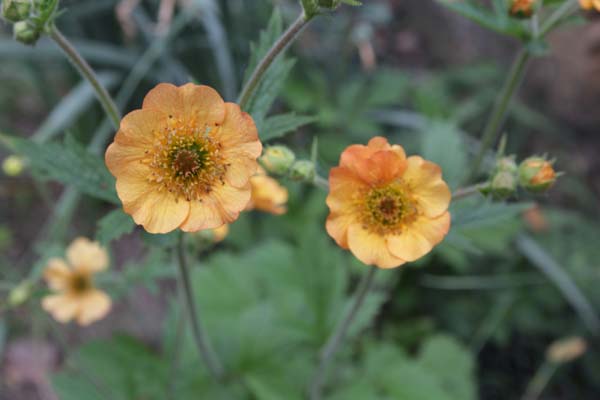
[(93, 305), (165, 98), (57, 274), (85, 255), (62, 307), (268, 195), (430, 191), (230, 201), (420, 237), (203, 215), (202, 104), (337, 227), (158, 211), (371, 248)]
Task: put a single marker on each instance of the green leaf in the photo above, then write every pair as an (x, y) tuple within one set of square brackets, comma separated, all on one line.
[(114, 225), (70, 164), (279, 125)]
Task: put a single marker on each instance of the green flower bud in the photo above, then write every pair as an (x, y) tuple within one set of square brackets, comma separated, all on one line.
[(16, 10), (536, 174), (303, 170), (507, 164), (25, 32), (13, 165), (277, 159), (311, 8), (503, 184), (330, 4), (20, 294)]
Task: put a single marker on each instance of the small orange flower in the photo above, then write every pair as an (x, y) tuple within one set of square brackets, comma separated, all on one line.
[(522, 8), (184, 160), (386, 208), (267, 194), (590, 4), (75, 296)]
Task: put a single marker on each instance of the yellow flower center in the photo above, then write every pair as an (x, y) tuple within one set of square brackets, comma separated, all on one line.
[(387, 209), (185, 160), (80, 283)]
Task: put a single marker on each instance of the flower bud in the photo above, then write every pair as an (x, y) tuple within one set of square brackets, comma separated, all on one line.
[(16, 10), (566, 350), (20, 294), (303, 170), (503, 184), (507, 164), (311, 8), (277, 159), (25, 32), (329, 4), (13, 165), (522, 8), (536, 174)]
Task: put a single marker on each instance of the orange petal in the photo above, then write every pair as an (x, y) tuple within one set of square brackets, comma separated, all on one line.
[(203, 215), (93, 305), (382, 167), (371, 248), (85, 255), (419, 238), (166, 99), (57, 274), (139, 127), (430, 191), (337, 227), (267, 195), (202, 104), (344, 185), (158, 211), (63, 307), (230, 201)]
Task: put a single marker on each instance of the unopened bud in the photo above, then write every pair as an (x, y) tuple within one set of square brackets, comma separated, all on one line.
[(25, 32), (503, 184), (13, 165), (303, 170), (16, 10), (20, 294), (522, 8), (536, 174), (566, 350), (507, 164), (277, 159)]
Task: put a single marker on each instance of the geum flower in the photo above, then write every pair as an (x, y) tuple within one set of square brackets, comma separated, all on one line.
[(590, 4), (267, 194), (71, 280), (184, 160), (386, 208)]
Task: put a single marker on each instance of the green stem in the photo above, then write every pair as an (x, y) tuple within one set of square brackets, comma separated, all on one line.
[(321, 183), (206, 352), (337, 337), (564, 10), (461, 193), (539, 381), (281, 44), (492, 128), (88, 73)]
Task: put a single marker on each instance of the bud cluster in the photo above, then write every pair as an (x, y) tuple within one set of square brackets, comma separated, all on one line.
[(280, 160), (30, 18)]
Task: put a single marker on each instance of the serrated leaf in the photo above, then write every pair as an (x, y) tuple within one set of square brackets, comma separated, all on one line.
[(279, 125), (114, 225), (70, 164)]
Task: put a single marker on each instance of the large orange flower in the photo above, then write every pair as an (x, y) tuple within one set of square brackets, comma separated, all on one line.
[(71, 280), (386, 208), (184, 160)]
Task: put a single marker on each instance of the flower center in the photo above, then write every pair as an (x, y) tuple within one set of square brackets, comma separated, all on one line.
[(80, 283), (186, 160), (388, 209)]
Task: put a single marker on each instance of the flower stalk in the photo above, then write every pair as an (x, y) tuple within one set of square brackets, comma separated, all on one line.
[(88, 73), (280, 45), (204, 348), (337, 337)]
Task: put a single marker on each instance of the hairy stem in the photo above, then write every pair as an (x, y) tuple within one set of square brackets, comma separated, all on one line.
[(88, 73), (337, 337), (206, 352), (280, 45)]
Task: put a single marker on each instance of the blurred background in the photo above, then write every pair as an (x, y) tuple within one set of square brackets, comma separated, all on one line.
[(474, 319)]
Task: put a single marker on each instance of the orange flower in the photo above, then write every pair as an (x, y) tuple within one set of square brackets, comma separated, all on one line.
[(184, 160), (386, 208), (590, 4), (522, 8), (267, 194), (75, 296), (220, 233)]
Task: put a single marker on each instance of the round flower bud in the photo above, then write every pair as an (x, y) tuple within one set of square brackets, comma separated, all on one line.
[(20, 294), (25, 32), (566, 350), (13, 165), (16, 10), (536, 174), (503, 184), (522, 8), (507, 164), (277, 159), (303, 170)]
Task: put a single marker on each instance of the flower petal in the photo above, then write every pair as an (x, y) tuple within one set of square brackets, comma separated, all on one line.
[(63, 307), (430, 191), (203, 215), (202, 104), (419, 238), (88, 256), (230, 201), (57, 274), (158, 211), (371, 248), (93, 305), (344, 186), (165, 98), (267, 195), (337, 227)]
